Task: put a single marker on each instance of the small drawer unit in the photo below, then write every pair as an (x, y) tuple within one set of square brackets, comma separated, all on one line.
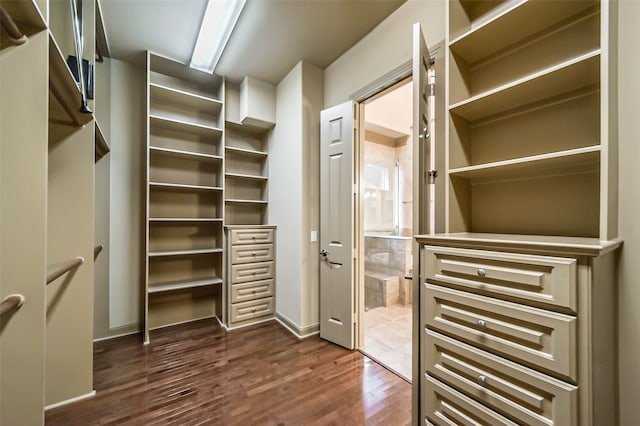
[(516, 330), (250, 274)]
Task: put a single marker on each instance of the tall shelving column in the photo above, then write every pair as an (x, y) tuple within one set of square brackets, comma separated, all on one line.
[(185, 194), (517, 298)]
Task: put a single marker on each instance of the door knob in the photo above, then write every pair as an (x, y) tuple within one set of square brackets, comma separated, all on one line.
[(324, 253)]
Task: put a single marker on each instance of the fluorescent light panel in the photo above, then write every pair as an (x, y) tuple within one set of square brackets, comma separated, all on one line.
[(220, 18)]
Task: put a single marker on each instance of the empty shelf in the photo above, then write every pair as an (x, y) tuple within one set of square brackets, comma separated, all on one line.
[(245, 176), (182, 153), (183, 126), (240, 201), (182, 285), (245, 151), (180, 186), (566, 77), (184, 219), (184, 252), (165, 94), (574, 159), (524, 19)]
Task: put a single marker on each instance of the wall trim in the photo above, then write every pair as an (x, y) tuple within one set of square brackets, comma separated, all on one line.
[(71, 401), (389, 79), (126, 330), (299, 332)]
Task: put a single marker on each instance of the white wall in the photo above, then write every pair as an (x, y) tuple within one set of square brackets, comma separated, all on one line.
[(127, 196), (285, 195), (312, 104), (384, 49), (629, 227)]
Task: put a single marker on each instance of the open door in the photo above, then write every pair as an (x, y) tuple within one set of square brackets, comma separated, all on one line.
[(423, 207), (337, 286)]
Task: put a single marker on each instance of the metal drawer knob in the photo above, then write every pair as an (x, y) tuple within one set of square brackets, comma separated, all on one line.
[(481, 324), (481, 272), (482, 379)]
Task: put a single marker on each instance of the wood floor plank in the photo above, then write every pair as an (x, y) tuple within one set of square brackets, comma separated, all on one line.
[(200, 374)]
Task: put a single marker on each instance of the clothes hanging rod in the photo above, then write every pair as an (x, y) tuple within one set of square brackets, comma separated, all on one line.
[(97, 250), (13, 31), (64, 269), (12, 301)]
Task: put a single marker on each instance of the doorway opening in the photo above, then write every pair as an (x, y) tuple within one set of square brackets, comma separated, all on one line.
[(387, 210)]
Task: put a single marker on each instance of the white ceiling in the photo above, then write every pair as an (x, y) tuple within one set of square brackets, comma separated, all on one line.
[(270, 37)]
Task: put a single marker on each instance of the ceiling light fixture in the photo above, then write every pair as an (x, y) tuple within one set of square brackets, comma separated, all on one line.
[(218, 22)]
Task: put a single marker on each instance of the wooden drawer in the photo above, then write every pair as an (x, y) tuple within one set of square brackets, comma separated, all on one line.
[(251, 272), (533, 336), (251, 253), (542, 279), (443, 405), (251, 236), (250, 310), (509, 388), (251, 291)]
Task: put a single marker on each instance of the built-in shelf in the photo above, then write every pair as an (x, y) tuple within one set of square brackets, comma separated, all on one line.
[(184, 154), (102, 146), (67, 98), (184, 219), (520, 20), (240, 201), (182, 98), (245, 151), (574, 159), (183, 126), (184, 252), (183, 285), (246, 176), (583, 71), (180, 186)]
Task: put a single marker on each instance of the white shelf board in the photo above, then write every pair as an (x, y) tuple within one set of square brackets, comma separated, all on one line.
[(184, 252), (245, 151), (182, 98), (245, 176), (579, 158), (241, 201), (183, 126), (183, 285), (568, 76), (523, 19), (182, 153), (184, 186), (185, 219)]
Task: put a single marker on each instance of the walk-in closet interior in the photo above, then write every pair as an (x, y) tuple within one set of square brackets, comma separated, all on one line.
[(474, 201)]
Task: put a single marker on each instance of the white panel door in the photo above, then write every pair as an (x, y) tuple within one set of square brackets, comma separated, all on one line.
[(336, 225)]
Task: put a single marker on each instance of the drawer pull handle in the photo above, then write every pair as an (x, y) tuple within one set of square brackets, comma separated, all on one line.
[(482, 379), (482, 272), (253, 310), (253, 272), (253, 291), (253, 254), (481, 324)]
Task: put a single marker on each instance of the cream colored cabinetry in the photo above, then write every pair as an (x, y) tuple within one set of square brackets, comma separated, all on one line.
[(250, 274), (185, 186), (518, 294), (517, 329)]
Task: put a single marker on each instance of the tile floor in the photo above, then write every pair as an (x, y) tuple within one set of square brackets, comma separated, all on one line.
[(387, 337)]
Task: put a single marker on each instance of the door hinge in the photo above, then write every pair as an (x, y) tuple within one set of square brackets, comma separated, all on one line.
[(431, 176), (430, 89)]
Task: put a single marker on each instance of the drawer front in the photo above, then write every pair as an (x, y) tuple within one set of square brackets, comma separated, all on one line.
[(251, 236), (443, 405), (532, 336), (509, 388), (543, 279), (251, 272), (251, 291), (251, 253), (251, 310)]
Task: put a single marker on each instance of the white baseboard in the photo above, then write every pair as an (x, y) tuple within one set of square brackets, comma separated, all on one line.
[(70, 401), (299, 332), (115, 336)]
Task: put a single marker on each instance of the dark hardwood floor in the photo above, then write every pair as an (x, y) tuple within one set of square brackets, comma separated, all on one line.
[(198, 373)]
